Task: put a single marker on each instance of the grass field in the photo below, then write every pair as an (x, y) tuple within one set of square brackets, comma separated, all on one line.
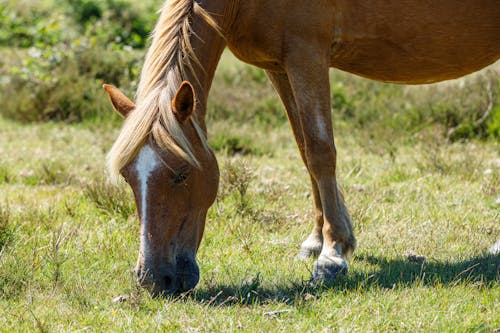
[(425, 212)]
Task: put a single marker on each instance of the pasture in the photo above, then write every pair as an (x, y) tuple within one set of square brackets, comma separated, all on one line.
[(419, 168)]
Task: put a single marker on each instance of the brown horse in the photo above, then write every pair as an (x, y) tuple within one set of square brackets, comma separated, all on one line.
[(162, 150)]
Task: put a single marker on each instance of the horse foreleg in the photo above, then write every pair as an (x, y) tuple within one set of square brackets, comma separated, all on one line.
[(313, 244), (310, 87)]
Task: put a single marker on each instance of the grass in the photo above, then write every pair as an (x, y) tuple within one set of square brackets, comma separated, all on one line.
[(69, 240)]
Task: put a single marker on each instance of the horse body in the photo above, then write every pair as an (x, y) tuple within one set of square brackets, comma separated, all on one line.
[(415, 42), (162, 152), (410, 42)]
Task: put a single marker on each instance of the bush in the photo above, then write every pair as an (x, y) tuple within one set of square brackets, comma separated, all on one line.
[(28, 24), (493, 124), (73, 46), (64, 83), (460, 110), (86, 10), (114, 21)]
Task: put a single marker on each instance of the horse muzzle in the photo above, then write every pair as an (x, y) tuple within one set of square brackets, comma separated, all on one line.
[(169, 280)]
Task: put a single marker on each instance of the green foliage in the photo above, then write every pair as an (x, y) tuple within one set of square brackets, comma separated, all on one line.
[(64, 83), (493, 124), (86, 10), (456, 108), (233, 145), (115, 21), (77, 45), (341, 104), (60, 76), (25, 24), (270, 113)]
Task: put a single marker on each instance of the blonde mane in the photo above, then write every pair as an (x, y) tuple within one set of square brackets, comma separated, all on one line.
[(167, 60)]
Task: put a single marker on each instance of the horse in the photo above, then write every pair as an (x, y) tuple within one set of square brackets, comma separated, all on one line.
[(162, 150)]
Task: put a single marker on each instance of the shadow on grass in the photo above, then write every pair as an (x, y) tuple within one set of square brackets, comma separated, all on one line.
[(383, 274)]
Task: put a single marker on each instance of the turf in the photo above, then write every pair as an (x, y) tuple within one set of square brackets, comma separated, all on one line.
[(425, 212)]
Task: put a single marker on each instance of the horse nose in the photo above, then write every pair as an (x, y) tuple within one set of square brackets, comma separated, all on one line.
[(170, 279), (188, 281), (159, 284), (169, 284), (188, 273)]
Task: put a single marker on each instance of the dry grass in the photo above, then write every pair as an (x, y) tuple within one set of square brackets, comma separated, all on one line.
[(425, 212)]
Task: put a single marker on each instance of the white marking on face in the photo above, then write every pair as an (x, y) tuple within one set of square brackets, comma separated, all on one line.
[(145, 164)]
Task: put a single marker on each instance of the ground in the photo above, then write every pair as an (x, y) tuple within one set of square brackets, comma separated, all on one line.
[(425, 212)]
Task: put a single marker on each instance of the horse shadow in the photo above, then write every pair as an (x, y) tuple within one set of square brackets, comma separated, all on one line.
[(384, 273)]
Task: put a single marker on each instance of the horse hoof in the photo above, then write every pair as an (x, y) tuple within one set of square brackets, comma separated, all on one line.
[(327, 269)]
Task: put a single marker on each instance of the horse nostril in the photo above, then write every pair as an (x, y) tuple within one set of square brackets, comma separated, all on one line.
[(169, 282)]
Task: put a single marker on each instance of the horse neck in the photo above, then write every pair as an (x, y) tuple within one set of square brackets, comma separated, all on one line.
[(208, 46)]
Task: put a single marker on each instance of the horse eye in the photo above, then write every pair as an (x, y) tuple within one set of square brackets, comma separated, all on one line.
[(181, 175)]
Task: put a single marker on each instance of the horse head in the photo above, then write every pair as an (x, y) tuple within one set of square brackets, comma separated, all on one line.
[(172, 198)]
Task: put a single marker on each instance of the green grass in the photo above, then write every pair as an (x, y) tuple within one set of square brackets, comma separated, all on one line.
[(69, 240)]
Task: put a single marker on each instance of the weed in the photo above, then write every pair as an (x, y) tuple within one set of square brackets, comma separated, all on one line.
[(56, 257), (54, 173), (109, 199), (233, 145), (5, 174), (39, 324), (235, 180), (6, 232), (493, 123), (48, 172), (436, 157)]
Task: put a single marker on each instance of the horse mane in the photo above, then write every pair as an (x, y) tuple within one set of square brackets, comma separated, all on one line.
[(167, 60)]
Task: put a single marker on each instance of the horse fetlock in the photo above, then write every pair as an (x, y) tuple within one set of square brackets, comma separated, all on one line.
[(348, 247), (311, 247), (307, 252)]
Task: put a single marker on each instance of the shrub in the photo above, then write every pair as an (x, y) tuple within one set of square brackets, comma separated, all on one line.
[(493, 124), (64, 82), (460, 110), (25, 24), (86, 10), (114, 21), (236, 177), (234, 144)]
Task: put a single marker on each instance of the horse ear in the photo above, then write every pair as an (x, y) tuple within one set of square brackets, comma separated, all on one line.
[(121, 103), (183, 104)]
